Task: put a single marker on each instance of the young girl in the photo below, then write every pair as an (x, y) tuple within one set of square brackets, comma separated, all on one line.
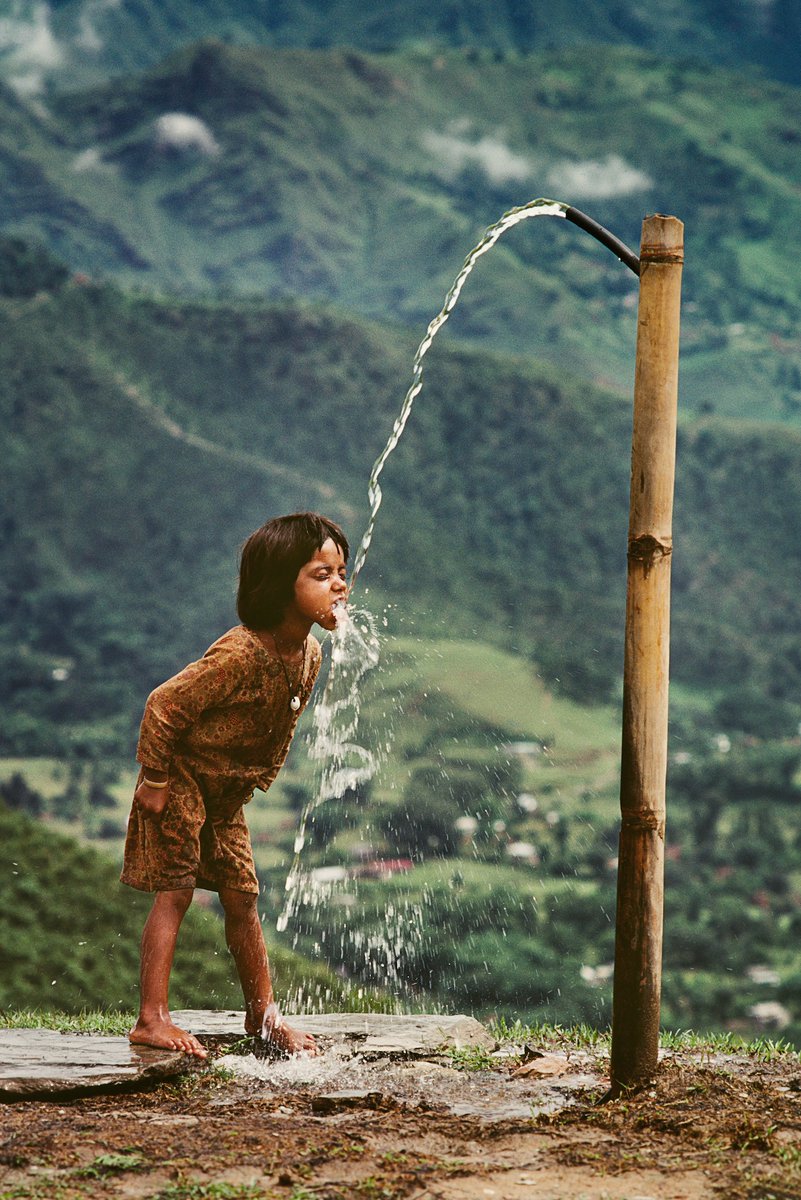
[(209, 736)]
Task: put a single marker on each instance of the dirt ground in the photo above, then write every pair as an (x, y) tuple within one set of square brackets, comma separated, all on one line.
[(728, 1128)]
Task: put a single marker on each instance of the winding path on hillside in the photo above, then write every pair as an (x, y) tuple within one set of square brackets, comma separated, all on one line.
[(154, 413)]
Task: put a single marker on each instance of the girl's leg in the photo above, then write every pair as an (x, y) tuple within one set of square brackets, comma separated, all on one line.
[(154, 1026), (245, 940)]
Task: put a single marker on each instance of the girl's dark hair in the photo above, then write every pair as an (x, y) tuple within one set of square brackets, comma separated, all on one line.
[(271, 559)]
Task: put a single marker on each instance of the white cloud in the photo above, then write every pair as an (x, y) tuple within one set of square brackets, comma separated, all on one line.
[(181, 131), (597, 180), (29, 46), (490, 154), (90, 160)]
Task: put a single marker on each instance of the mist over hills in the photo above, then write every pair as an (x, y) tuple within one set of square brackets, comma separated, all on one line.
[(364, 180)]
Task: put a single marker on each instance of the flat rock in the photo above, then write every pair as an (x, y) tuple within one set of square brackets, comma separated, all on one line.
[(42, 1062), (544, 1065), (368, 1034)]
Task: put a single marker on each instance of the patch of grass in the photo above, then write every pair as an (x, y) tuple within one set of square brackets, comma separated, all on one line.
[(111, 1164), (763, 1049), (586, 1037), (582, 1036), (214, 1191), (111, 1023), (790, 1156), (222, 1074), (47, 1190), (470, 1058), (373, 1189)]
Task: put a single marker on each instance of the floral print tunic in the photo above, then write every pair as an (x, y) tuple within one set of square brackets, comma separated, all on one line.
[(219, 728)]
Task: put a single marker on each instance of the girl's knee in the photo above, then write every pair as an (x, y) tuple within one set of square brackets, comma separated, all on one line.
[(176, 901), (238, 904)]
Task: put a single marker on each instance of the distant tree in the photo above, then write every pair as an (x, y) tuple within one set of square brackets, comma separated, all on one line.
[(708, 784), (26, 269), (750, 710), (422, 825), (16, 794)]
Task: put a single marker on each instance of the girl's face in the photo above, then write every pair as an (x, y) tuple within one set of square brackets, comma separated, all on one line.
[(321, 584)]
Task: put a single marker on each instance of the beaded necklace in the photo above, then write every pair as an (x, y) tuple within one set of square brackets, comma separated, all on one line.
[(294, 696)]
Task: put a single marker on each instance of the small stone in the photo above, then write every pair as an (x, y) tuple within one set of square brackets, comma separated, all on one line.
[(508, 1052), (178, 1119), (424, 1066), (544, 1065), (336, 1101)]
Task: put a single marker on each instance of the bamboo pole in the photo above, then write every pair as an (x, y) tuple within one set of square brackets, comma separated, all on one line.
[(640, 889)]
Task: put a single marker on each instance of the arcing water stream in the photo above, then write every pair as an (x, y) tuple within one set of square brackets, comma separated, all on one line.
[(343, 764), (535, 208)]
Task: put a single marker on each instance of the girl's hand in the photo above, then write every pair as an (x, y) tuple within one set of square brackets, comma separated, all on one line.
[(152, 800)]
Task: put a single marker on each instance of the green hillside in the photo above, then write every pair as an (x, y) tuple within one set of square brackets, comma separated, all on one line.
[(70, 933), (363, 180), (146, 439), (81, 36)]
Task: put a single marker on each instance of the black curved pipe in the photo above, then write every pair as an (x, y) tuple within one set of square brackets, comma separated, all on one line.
[(606, 238)]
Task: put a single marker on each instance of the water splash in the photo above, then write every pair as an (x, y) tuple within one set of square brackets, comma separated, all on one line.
[(385, 957), (355, 650), (342, 764), (535, 208), (352, 1080)]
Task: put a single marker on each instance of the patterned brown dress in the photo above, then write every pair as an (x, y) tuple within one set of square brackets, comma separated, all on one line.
[(220, 728)]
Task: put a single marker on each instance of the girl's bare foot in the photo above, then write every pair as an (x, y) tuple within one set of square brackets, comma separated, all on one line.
[(161, 1032), (291, 1041), (273, 1029)]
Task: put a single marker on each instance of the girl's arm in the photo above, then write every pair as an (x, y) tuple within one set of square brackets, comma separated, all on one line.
[(175, 705), (153, 792)]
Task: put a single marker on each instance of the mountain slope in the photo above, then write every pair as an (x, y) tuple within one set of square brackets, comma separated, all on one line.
[(365, 180), (147, 438)]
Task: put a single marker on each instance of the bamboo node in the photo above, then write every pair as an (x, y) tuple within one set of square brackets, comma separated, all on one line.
[(658, 254), (647, 549), (644, 819)]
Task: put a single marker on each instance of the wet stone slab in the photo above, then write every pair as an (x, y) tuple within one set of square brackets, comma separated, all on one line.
[(42, 1062), (340, 1080), (371, 1061), (368, 1034)]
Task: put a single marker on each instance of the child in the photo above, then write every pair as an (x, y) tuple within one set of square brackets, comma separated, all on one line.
[(209, 736)]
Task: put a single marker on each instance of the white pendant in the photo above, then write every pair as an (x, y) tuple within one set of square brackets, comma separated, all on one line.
[(294, 703)]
